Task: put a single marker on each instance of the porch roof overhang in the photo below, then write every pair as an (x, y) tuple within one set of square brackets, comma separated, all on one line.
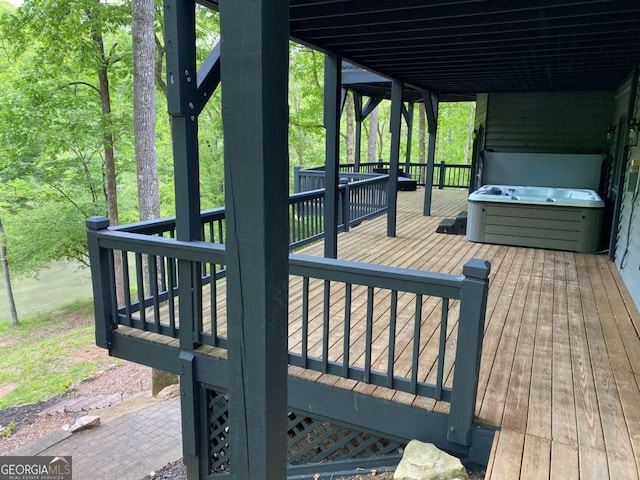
[(475, 46)]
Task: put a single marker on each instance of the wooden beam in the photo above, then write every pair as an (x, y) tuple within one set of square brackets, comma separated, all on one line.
[(396, 121), (357, 105), (254, 73), (408, 116), (431, 106), (370, 106), (180, 34), (208, 78), (332, 108)]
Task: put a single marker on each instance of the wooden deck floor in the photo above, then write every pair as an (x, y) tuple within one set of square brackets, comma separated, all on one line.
[(560, 367)]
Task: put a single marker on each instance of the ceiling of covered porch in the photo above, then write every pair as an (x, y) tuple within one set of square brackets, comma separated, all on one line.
[(477, 46)]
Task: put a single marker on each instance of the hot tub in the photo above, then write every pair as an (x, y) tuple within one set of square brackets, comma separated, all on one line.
[(542, 217)]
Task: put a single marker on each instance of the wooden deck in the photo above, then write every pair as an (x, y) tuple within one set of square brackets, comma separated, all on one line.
[(560, 367), (560, 371)]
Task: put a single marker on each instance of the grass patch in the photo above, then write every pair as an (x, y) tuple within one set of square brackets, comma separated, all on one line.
[(47, 353)]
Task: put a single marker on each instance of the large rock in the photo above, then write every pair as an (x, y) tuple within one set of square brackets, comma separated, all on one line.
[(82, 423), (423, 461), (169, 392)]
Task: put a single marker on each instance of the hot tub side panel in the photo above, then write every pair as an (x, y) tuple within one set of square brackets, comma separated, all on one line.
[(559, 228)]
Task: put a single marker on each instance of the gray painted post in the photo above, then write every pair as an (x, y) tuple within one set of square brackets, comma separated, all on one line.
[(357, 105), (182, 100), (296, 178), (475, 159), (409, 120), (102, 282), (346, 208), (394, 158), (332, 101), (473, 305), (443, 175), (431, 107), (254, 68)]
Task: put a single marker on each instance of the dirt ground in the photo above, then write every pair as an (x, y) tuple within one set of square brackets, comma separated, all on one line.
[(30, 424), (125, 377)]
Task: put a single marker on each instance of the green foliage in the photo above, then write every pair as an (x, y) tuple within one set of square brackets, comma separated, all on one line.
[(44, 355), (306, 129), (8, 430), (455, 128), (52, 171)]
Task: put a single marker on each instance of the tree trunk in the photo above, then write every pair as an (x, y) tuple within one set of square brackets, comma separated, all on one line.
[(422, 140), (144, 108), (372, 154), (159, 65), (144, 114), (107, 131), (7, 277), (349, 137), (108, 141)]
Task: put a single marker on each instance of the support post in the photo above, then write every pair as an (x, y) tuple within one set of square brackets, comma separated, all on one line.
[(442, 178), (102, 281), (473, 305), (254, 66), (345, 197), (182, 100), (409, 120), (332, 104), (431, 106), (357, 105), (296, 178), (396, 120), (478, 134)]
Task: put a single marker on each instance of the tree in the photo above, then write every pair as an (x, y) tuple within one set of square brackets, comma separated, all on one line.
[(306, 131), (144, 108), (74, 35), (144, 129), (7, 277)]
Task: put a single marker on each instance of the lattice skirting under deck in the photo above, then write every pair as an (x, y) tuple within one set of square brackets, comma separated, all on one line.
[(311, 439)]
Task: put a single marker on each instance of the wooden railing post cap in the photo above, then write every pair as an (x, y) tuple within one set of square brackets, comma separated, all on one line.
[(477, 268), (97, 223)]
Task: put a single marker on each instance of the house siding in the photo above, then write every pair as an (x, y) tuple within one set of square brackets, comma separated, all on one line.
[(627, 254), (551, 122)]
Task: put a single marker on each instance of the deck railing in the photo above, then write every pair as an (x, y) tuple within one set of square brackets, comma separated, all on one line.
[(369, 323), (364, 198), (445, 175)]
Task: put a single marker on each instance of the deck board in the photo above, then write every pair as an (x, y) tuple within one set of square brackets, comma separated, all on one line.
[(561, 353), (560, 369)]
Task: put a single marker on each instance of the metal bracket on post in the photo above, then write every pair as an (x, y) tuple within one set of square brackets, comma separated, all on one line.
[(102, 281), (473, 305)]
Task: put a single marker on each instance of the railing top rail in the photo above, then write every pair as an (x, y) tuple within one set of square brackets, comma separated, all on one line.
[(306, 195), (166, 223), (392, 278), (320, 170), (199, 251)]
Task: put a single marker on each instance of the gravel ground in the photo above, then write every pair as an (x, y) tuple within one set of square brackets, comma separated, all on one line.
[(121, 377), (177, 471), (29, 425)]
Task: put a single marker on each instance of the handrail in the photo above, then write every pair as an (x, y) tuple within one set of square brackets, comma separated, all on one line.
[(354, 300), (445, 175)]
